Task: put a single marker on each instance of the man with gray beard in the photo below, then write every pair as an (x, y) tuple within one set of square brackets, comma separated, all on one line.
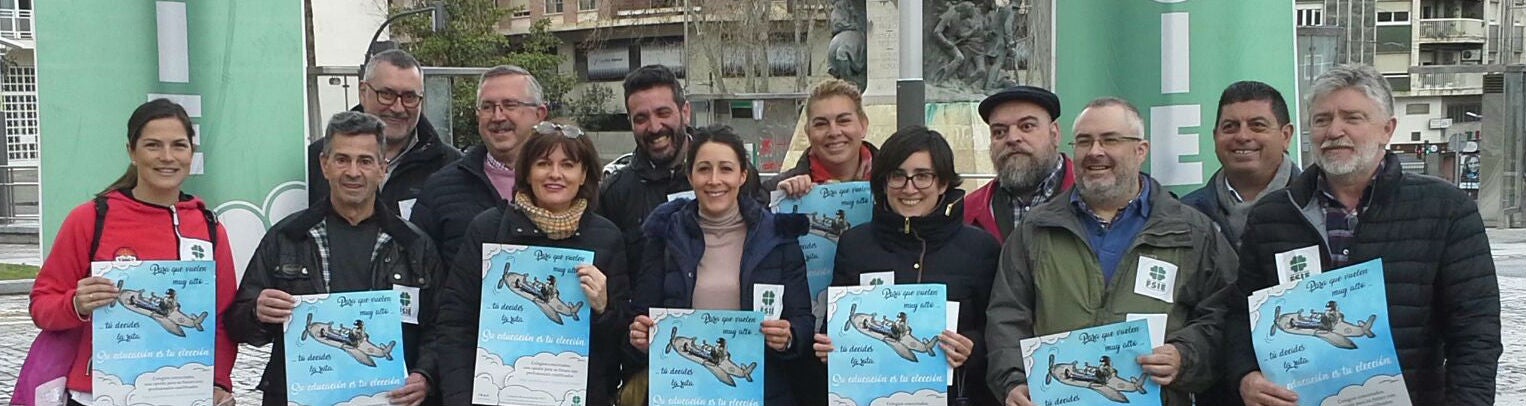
[(1119, 244), (1025, 150), (1356, 204)]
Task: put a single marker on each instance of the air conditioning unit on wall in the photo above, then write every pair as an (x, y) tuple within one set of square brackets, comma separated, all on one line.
[(1473, 55)]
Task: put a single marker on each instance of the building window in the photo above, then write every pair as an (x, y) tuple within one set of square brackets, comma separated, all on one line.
[(555, 6), (1393, 17), (1465, 112), (741, 109), (520, 8), (1414, 136), (586, 5), (1417, 108), (20, 94), (1310, 15)]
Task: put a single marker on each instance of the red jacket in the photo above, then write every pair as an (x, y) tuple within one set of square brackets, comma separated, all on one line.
[(132, 228), (977, 205)]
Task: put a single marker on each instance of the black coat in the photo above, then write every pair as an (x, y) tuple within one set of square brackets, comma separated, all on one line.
[(451, 198), (288, 260), (771, 254), (405, 180), (937, 248), (631, 193), (1443, 297), (461, 299)]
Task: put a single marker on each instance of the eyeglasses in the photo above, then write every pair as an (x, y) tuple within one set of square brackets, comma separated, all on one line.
[(508, 106), (387, 97), (920, 180), (550, 128), (1107, 142)]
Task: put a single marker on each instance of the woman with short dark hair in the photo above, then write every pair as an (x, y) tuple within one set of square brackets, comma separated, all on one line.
[(917, 232), (556, 183)]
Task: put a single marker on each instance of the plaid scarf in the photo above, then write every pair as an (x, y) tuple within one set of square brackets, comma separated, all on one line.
[(557, 226)]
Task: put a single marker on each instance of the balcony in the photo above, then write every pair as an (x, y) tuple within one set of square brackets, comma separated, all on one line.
[(1445, 83), (1452, 30)]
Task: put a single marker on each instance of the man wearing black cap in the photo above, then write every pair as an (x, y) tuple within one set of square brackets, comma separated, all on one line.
[(1025, 149)]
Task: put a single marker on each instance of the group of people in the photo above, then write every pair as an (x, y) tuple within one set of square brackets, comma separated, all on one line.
[(1053, 243)]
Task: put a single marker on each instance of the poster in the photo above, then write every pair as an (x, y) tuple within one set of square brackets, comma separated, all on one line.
[(1327, 338), (706, 357), (1091, 366), (833, 209), (886, 339), (342, 348), (532, 340), (155, 344)]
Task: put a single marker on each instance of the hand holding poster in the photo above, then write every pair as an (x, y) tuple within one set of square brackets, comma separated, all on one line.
[(342, 348), (532, 346), (1061, 370), (153, 346), (886, 340), (706, 357), (1327, 338)]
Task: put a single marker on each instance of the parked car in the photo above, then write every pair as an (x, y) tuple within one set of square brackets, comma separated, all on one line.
[(615, 165)]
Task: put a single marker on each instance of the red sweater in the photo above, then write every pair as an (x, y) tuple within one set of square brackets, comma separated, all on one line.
[(133, 228)]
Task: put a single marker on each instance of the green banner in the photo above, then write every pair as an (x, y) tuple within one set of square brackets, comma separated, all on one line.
[(237, 67), (1172, 59)]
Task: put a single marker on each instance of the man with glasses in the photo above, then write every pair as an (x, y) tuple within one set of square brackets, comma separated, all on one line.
[(1116, 246), (510, 102), (1025, 149), (392, 88)]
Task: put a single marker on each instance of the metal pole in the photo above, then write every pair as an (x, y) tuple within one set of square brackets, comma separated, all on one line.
[(910, 91)]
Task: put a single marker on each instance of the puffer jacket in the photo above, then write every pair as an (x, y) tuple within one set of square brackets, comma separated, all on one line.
[(1050, 280), (936, 248), (451, 198), (1443, 295), (771, 255)]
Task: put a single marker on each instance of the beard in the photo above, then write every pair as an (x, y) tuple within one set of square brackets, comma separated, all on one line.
[(1024, 171), (1094, 191), (1365, 158), (670, 153)]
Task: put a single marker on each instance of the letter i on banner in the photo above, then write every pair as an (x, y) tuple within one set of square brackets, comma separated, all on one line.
[(175, 67), (1168, 143)]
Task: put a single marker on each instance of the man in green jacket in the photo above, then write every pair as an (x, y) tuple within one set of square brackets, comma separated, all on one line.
[(1075, 263)]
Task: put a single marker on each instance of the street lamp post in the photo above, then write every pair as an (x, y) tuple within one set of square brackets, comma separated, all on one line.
[(440, 21)]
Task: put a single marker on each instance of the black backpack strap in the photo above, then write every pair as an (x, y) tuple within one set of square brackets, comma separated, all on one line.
[(211, 228), (100, 225)]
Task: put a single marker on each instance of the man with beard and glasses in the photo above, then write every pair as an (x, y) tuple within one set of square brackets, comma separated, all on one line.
[(1025, 149), (510, 102), (1356, 204), (1251, 138), (392, 88), (1090, 251), (836, 126)]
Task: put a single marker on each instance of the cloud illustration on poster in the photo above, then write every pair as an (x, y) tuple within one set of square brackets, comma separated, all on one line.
[(514, 384), (1375, 390), (246, 222), (834, 400), (660, 314), (1031, 346), (1258, 299), (832, 295), (367, 400), (109, 390), (921, 397), (489, 252)]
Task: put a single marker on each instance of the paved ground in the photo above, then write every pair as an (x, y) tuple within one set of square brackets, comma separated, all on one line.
[(1509, 249)]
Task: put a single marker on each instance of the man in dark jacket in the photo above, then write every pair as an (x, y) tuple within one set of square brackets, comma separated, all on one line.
[(347, 243), (659, 118), (1356, 205), (1025, 149), (836, 127), (393, 89), (1089, 258), (509, 104), (1251, 140)]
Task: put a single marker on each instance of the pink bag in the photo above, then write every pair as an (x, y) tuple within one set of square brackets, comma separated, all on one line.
[(46, 371)]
